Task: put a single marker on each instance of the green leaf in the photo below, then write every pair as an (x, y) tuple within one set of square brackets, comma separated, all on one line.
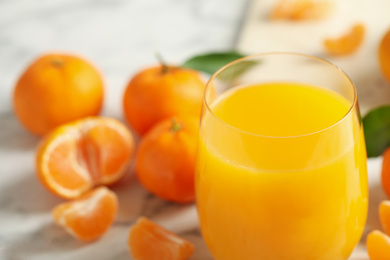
[(211, 62), (233, 72), (377, 130)]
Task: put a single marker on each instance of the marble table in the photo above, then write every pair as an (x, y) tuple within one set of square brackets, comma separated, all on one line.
[(121, 37)]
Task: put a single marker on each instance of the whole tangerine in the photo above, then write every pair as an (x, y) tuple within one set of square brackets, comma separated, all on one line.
[(385, 175), (56, 89), (160, 92), (165, 162)]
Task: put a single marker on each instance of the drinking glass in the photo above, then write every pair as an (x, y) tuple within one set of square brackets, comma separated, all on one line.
[(276, 178)]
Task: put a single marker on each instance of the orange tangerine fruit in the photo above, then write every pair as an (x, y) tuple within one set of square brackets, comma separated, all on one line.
[(302, 9), (384, 55), (386, 172), (77, 156), (56, 89), (378, 245), (346, 44), (384, 215), (149, 241), (165, 161), (160, 92), (88, 217)]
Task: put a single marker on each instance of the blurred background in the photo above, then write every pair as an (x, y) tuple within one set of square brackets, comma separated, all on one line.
[(118, 36)]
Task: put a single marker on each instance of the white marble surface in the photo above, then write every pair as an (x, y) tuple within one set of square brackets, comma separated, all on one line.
[(119, 36)]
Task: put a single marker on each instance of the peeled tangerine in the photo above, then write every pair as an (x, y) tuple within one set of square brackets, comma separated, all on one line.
[(78, 156), (149, 241), (88, 217), (346, 44), (378, 245), (302, 9)]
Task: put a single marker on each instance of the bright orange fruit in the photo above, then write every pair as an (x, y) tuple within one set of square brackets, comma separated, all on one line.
[(149, 241), (302, 9), (386, 172), (77, 156), (57, 89), (378, 246), (384, 215), (346, 44), (165, 162), (158, 93), (384, 55), (88, 217)]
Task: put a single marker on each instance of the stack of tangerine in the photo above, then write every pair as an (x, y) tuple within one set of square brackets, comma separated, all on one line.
[(60, 96)]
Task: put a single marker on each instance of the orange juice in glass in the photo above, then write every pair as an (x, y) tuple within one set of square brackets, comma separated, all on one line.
[(281, 166)]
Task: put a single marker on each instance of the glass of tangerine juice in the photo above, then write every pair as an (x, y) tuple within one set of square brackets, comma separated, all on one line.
[(281, 166)]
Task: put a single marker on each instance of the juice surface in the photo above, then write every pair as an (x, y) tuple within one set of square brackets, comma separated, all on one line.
[(272, 184)]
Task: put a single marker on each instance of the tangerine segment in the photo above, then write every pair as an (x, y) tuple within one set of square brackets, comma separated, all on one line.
[(346, 44), (378, 245), (384, 215), (302, 9), (108, 147), (77, 156), (149, 241), (58, 163), (88, 217), (384, 55)]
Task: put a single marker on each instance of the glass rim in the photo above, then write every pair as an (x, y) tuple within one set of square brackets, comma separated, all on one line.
[(208, 84)]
